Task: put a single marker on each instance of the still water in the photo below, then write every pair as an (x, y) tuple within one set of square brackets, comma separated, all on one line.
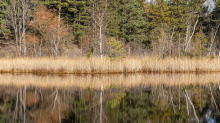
[(117, 98)]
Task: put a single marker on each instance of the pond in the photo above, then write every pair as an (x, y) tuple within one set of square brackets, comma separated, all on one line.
[(109, 98)]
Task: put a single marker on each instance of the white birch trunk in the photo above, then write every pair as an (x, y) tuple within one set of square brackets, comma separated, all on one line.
[(100, 36), (194, 28), (23, 25)]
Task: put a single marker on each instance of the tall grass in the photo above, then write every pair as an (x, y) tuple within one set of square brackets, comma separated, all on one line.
[(96, 81), (83, 65)]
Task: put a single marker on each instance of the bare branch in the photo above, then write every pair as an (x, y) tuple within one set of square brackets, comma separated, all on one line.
[(194, 28)]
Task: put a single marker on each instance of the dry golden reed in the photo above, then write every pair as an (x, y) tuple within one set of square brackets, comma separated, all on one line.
[(96, 81), (84, 65)]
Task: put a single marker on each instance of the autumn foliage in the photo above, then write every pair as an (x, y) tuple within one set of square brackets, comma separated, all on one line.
[(46, 22)]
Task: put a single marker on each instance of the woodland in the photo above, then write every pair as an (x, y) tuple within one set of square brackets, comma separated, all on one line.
[(166, 28)]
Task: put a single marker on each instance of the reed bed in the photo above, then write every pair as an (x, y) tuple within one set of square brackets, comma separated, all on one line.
[(94, 65), (119, 80)]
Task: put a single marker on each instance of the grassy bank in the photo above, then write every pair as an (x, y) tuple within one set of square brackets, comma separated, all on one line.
[(84, 65)]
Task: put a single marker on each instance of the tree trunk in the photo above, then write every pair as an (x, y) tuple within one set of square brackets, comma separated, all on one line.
[(58, 33), (23, 25), (213, 39), (100, 36), (194, 28)]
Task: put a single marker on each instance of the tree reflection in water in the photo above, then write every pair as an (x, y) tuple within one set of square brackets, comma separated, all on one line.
[(112, 104)]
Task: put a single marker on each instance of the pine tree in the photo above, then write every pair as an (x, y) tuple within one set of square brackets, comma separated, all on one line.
[(4, 30), (216, 12), (183, 12), (113, 27), (176, 19), (160, 21), (159, 14), (178, 13), (116, 49), (80, 20), (200, 44), (132, 21)]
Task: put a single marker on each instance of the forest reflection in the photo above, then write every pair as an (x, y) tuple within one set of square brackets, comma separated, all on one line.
[(110, 98)]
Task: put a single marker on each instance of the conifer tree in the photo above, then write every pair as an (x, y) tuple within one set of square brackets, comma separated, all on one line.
[(216, 12), (4, 30), (113, 27), (183, 11), (200, 44), (178, 12), (159, 14), (116, 49), (161, 27), (80, 20), (132, 21)]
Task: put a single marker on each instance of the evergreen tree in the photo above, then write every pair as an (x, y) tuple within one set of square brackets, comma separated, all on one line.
[(132, 21), (178, 13), (159, 14), (210, 25), (80, 20), (113, 27), (161, 27), (116, 49), (200, 45), (215, 14), (4, 30)]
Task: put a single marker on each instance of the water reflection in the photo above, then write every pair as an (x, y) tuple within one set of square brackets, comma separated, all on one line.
[(98, 80), (110, 98)]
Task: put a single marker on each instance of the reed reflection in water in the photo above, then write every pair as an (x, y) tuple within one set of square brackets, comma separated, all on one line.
[(97, 80)]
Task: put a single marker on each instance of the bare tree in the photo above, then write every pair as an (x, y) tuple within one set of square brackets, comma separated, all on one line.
[(213, 36), (188, 39), (18, 14), (100, 22), (58, 30), (51, 28)]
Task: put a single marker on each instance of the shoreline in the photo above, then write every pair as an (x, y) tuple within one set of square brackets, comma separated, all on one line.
[(104, 73)]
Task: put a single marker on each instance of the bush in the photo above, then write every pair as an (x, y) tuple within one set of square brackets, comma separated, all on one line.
[(116, 49)]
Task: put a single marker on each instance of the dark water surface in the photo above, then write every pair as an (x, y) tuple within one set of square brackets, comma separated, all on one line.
[(135, 98)]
